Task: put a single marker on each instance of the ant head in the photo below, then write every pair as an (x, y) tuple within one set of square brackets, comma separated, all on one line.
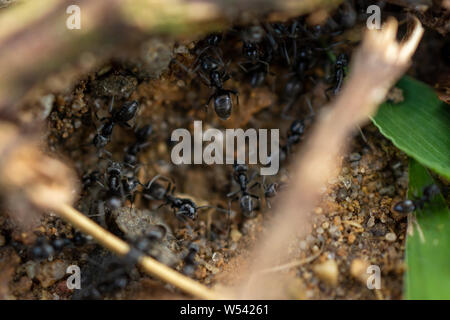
[(100, 141), (297, 127), (253, 34), (208, 63), (114, 168), (130, 159), (250, 51), (342, 60), (270, 190), (240, 168), (188, 209), (214, 39), (194, 247)]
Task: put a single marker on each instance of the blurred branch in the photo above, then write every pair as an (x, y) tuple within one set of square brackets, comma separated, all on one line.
[(35, 42)]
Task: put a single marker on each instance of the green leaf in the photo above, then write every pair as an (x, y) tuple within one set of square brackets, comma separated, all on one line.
[(420, 125), (428, 248)]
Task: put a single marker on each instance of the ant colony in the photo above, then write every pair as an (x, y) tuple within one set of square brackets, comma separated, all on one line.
[(180, 165)]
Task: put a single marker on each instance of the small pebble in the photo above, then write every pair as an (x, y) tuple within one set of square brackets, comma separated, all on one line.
[(318, 210), (351, 238), (216, 257), (371, 222), (391, 237), (50, 272), (358, 270), (235, 235), (327, 272), (354, 156), (303, 245)]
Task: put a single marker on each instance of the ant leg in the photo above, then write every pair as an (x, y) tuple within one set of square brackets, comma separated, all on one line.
[(162, 205), (212, 207), (266, 64), (125, 124), (180, 215), (233, 193), (254, 184), (205, 79), (241, 65), (110, 108), (311, 110), (155, 178), (100, 184), (286, 108), (253, 196), (101, 213), (362, 134), (104, 151), (229, 218), (285, 54), (235, 92), (209, 101), (219, 58), (326, 92), (182, 66)]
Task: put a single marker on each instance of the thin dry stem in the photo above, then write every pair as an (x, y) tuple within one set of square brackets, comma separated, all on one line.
[(121, 248)]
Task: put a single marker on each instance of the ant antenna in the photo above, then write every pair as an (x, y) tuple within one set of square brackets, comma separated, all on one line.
[(158, 176)]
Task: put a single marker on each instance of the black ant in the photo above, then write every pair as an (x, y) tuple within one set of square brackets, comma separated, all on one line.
[(212, 41), (183, 208), (114, 185), (257, 61), (408, 206), (270, 190), (214, 75), (246, 202), (131, 152), (339, 73), (189, 260), (43, 249), (121, 117), (222, 100), (145, 243), (296, 131), (89, 179), (294, 86), (223, 103), (276, 35), (103, 275), (129, 185)]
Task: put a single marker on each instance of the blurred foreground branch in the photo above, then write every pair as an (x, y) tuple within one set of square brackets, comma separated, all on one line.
[(35, 41), (376, 66)]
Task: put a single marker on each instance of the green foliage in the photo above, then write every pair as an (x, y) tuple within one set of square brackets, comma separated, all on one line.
[(428, 248), (420, 125)]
